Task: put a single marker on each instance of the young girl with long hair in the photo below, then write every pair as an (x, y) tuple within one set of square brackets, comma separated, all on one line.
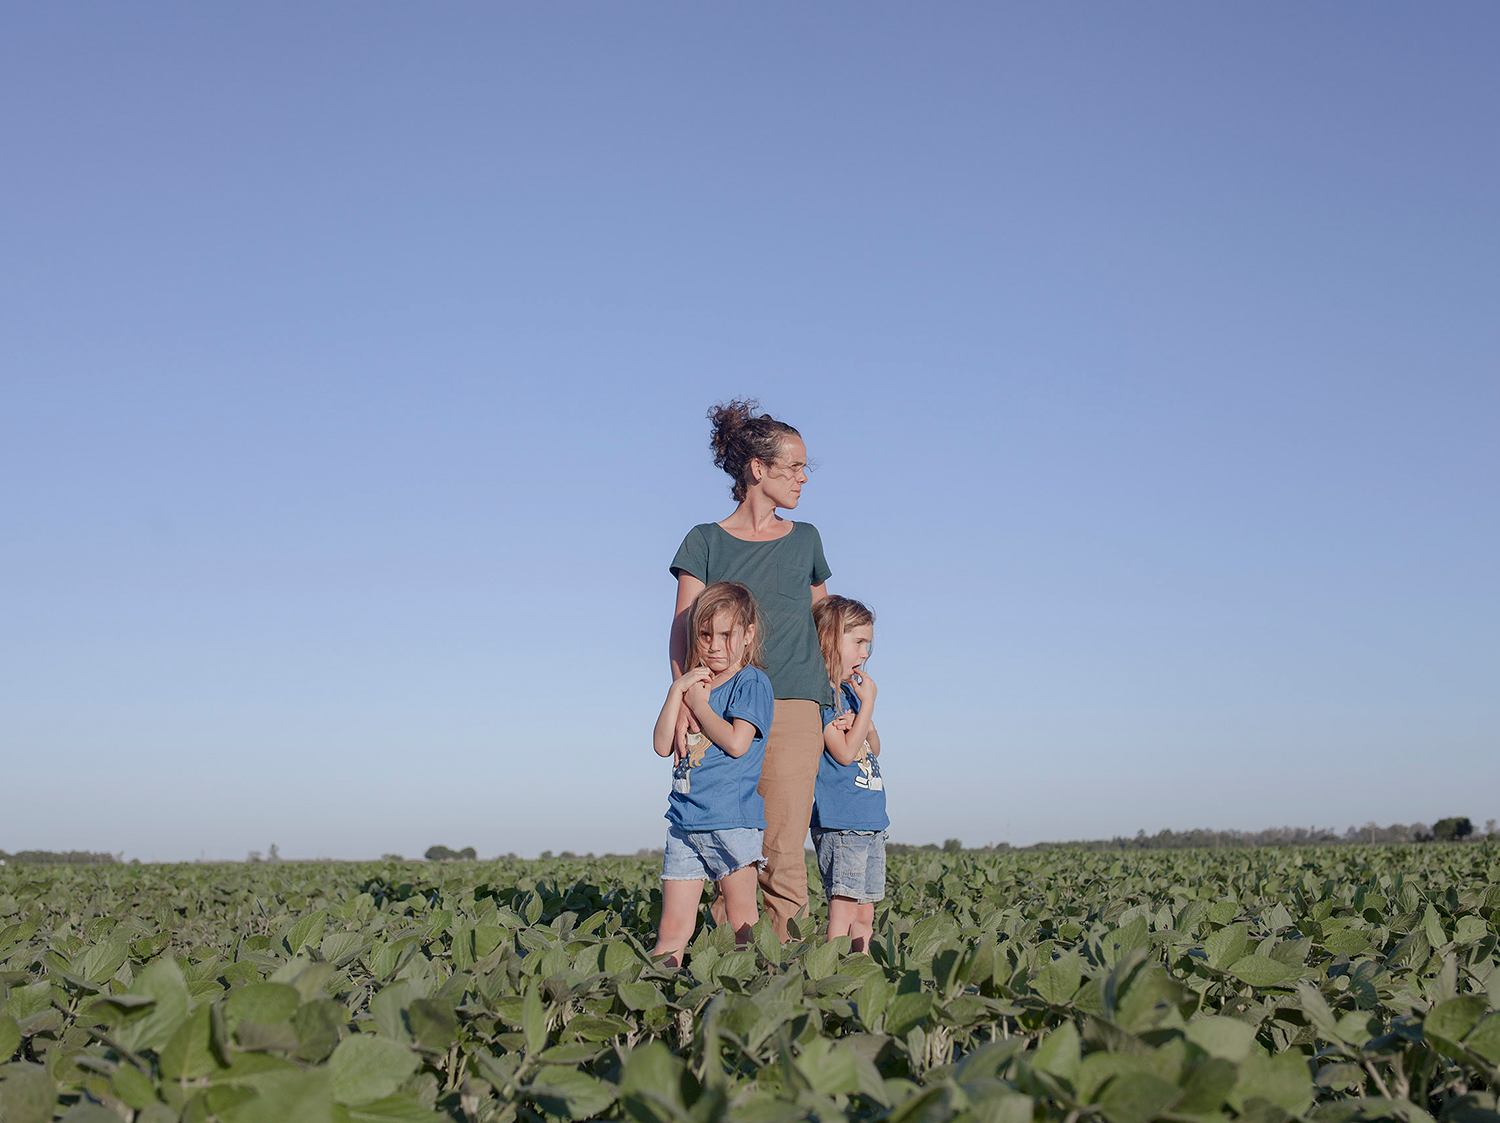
[(849, 819), (716, 816)]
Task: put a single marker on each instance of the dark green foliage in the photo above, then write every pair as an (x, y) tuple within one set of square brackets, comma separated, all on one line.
[(1210, 986), (56, 858), (1452, 830), (443, 854)]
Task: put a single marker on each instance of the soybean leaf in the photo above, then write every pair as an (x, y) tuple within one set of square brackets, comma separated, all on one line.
[(366, 1067)]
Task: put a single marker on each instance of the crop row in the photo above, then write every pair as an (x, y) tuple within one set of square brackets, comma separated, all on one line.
[(1185, 985)]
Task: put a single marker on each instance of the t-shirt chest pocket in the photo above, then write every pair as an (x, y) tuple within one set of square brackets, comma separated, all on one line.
[(793, 582)]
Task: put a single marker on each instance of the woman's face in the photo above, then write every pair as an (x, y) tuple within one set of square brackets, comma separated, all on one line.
[(782, 480)]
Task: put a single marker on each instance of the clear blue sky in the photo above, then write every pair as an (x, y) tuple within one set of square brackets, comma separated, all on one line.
[(355, 359)]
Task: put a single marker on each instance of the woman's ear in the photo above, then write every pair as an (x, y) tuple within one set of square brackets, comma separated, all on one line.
[(757, 471)]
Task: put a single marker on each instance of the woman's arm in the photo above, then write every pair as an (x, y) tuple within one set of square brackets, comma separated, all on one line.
[(819, 591), (688, 588)]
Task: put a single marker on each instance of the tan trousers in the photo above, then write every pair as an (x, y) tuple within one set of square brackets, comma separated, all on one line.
[(787, 779)]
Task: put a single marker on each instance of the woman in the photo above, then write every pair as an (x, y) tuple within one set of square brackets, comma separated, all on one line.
[(782, 563)]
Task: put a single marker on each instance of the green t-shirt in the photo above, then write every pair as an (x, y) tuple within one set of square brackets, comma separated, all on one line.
[(781, 575)]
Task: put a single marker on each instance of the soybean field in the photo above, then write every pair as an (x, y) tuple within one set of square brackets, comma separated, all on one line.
[(1266, 985)]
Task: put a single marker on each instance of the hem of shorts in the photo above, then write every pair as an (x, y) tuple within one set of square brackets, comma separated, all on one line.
[(761, 861)]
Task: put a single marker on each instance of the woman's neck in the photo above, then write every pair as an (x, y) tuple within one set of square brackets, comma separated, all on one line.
[(755, 517)]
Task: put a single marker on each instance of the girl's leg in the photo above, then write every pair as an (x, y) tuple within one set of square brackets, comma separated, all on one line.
[(843, 913), (679, 916), (738, 892), (863, 927)]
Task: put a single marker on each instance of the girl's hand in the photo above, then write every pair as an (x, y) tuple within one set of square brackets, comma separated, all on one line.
[(864, 687), (844, 722), (687, 680), (697, 692)]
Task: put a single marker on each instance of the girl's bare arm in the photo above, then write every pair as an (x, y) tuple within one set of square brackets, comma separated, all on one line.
[(844, 747), (666, 723), (734, 738)]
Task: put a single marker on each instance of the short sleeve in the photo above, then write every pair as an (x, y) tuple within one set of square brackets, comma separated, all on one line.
[(752, 701), (829, 713), (692, 556), (820, 570)]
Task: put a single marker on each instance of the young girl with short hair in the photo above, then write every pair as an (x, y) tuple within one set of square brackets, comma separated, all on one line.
[(849, 819), (716, 816)]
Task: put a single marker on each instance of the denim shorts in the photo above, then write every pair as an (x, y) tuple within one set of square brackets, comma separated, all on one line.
[(852, 863), (710, 855)]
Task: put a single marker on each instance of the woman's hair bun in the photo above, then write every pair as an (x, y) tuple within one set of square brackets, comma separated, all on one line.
[(739, 436)]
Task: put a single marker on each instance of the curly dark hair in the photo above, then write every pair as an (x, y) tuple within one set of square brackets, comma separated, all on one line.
[(740, 437)]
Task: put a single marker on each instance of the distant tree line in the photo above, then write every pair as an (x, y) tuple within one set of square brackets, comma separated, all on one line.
[(443, 854), (1453, 829), (1456, 828), (60, 858)]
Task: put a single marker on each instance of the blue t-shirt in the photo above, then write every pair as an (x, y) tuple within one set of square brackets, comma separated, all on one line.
[(711, 790), (850, 797)]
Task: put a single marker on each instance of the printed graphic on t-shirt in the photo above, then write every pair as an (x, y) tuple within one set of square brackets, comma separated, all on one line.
[(697, 746), (869, 771)]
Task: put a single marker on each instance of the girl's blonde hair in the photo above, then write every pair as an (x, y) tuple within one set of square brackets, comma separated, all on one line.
[(739, 602), (835, 615)]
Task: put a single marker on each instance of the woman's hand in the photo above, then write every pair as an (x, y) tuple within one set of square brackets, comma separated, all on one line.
[(686, 723)]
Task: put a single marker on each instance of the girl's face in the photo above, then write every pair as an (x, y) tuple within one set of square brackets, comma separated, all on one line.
[(782, 481), (855, 648), (722, 643)]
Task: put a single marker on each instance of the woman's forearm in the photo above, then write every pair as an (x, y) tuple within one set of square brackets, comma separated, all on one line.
[(688, 588), (677, 645)]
